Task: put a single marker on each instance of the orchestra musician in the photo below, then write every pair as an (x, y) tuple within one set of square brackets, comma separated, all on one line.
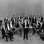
[(38, 25), (5, 21), (34, 24), (41, 18), (34, 19), (13, 20), (8, 33), (31, 24), (3, 31), (11, 29)]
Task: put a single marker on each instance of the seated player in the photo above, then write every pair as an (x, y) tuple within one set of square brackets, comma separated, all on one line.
[(3, 31)]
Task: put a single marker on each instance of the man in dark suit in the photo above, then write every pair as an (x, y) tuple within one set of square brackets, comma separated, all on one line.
[(34, 23), (25, 29), (6, 20), (34, 19), (42, 33), (12, 19), (41, 18), (31, 19), (3, 32), (8, 33), (37, 17)]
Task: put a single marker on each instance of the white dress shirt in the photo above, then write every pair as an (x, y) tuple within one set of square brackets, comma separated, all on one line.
[(8, 27), (26, 24)]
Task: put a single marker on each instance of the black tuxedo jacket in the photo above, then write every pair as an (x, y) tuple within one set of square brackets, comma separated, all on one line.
[(12, 21), (27, 25), (42, 26), (41, 19), (25, 30), (34, 20), (6, 21)]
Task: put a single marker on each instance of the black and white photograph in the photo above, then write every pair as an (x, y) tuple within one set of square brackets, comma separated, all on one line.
[(21, 21)]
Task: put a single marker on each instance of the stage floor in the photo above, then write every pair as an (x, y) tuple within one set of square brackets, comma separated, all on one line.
[(33, 39)]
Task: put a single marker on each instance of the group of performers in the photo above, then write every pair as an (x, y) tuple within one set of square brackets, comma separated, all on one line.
[(24, 25)]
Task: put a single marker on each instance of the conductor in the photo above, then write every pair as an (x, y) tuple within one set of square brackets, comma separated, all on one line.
[(25, 29)]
